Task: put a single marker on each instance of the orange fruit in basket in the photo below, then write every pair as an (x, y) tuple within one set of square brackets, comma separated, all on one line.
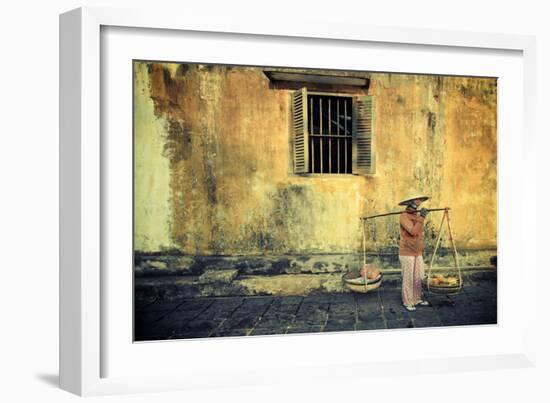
[(374, 273), (364, 270), (370, 271), (452, 280), (437, 280)]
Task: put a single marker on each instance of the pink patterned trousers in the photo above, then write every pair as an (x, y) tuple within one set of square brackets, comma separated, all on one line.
[(412, 270)]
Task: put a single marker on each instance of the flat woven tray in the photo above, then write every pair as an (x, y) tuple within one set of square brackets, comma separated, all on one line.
[(443, 288), (354, 282)]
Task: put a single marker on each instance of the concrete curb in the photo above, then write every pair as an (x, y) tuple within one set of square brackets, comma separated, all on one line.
[(174, 287)]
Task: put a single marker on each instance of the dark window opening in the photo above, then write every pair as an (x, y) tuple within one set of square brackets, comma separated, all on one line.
[(330, 134)]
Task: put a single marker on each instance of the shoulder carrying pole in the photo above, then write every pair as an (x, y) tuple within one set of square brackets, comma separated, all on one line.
[(399, 212)]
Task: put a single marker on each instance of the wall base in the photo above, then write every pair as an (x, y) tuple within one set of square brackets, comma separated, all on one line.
[(178, 276)]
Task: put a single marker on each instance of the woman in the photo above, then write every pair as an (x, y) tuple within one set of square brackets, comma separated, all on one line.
[(411, 246)]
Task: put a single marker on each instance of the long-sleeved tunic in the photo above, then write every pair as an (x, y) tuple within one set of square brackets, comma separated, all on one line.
[(411, 231)]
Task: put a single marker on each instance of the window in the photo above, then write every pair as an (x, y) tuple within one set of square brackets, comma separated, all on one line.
[(333, 134), (329, 129)]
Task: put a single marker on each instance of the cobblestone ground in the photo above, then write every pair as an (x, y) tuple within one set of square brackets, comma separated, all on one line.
[(268, 315)]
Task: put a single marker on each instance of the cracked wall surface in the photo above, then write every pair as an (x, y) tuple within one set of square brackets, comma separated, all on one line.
[(213, 168)]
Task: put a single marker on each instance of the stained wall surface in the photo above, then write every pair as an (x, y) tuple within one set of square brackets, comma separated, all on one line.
[(213, 164)]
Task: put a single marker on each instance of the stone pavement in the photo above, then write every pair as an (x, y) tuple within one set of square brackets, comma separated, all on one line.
[(326, 312)]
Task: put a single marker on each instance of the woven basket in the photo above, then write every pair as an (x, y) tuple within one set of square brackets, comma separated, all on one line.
[(354, 282), (443, 288)]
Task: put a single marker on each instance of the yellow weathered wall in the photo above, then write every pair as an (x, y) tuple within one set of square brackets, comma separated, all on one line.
[(214, 169), (152, 211)]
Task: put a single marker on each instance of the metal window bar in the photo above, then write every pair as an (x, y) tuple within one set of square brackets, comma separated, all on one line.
[(338, 131), (346, 132), (329, 140), (321, 132), (323, 136)]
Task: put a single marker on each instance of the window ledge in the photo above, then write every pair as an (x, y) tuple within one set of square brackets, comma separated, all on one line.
[(322, 79), (332, 175)]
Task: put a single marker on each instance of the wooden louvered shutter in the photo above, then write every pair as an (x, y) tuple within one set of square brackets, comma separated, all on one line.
[(363, 136), (300, 131)]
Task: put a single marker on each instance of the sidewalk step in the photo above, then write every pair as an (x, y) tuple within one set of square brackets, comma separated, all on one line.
[(225, 283), (183, 265)]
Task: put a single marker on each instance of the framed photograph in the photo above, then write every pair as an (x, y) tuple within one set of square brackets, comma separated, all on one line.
[(243, 204)]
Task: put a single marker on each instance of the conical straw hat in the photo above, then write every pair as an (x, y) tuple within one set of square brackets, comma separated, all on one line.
[(413, 196)]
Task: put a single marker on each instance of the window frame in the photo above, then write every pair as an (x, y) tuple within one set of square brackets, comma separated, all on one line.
[(339, 95), (354, 98)]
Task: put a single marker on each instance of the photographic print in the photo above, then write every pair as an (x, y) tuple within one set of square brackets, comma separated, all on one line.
[(276, 200)]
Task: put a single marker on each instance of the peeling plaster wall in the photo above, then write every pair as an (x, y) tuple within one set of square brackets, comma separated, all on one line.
[(151, 171), (214, 169)]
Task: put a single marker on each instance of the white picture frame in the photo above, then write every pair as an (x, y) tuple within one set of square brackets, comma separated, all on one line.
[(84, 306)]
